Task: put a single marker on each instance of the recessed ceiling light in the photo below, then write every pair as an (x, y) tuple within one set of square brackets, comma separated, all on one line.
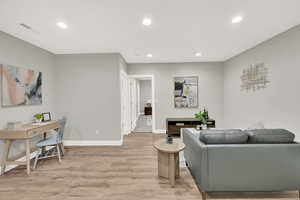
[(198, 54), (237, 19), (62, 25), (149, 55), (147, 21)]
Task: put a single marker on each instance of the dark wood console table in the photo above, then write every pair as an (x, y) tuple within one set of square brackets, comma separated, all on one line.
[(148, 110), (175, 124)]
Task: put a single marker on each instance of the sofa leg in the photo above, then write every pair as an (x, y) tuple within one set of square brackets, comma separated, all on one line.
[(204, 195)]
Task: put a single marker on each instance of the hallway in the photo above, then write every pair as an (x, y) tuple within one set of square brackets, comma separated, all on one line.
[(144, 124)]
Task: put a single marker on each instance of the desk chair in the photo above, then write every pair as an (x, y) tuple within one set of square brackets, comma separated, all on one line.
[(53, 141)]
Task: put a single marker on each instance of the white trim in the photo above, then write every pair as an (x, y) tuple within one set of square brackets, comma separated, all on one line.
[(93, 142), (133, 103), (153, 102), (159, 131), (138, 95), (125, 104), (152, 78), (23, 159), (135, 122)]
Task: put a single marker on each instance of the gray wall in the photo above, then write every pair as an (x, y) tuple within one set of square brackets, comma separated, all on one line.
[(89, 94), (86, 88), (145, 93), (278, 105), (16, 52), (210, 88)]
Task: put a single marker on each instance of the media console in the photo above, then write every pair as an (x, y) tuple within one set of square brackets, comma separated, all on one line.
[(174, 125)]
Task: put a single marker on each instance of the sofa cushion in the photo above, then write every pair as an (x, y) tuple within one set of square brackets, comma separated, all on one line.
[(226, 136), (270, 136)]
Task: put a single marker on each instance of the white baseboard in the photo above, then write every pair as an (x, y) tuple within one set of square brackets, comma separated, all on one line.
[(159, 131), (22, 159), (93, 142)]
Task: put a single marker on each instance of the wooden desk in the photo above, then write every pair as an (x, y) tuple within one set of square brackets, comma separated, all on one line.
[(26, 133)]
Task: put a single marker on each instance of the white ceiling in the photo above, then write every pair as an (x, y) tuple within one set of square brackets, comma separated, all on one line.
[(180, 27)]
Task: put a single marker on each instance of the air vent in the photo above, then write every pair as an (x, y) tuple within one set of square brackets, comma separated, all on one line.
[(26, 26)]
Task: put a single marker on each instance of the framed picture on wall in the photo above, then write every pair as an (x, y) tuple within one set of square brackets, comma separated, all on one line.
[(186, 91), (20, 86), (46, 117)]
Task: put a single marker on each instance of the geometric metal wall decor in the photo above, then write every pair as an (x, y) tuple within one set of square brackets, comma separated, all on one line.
[(255, 78)]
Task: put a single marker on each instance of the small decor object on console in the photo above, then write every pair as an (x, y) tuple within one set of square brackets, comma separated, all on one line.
[(203, 118), (254, 78), (169, 139), (46, 117), (38, 117), (20, 86), (186, 92)]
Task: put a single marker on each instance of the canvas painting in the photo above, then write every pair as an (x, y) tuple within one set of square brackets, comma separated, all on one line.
[(186, 92), (20, 86)]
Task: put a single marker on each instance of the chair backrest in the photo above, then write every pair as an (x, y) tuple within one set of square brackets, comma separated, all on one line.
[(62, 122)]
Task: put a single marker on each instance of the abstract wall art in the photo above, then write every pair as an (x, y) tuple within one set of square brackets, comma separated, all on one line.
[(254, 78), (186, 92), (20, 86)]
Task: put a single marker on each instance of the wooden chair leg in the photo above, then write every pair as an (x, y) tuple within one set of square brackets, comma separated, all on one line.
[(62, 149), (36, 158), (27, 144), (58, 152)]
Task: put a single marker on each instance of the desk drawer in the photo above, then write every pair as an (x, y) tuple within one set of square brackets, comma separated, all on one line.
[(33, 133)]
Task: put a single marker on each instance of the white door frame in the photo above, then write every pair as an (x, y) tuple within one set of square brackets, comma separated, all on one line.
[(152, 78), (133, 103), (124, 87)]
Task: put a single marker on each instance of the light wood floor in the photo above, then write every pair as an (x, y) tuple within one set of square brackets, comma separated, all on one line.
[(109, 173)]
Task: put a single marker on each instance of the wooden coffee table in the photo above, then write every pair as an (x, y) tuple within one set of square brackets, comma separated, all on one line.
[(168, 159)]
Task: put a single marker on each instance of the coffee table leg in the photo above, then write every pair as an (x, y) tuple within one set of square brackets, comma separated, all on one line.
[(177, 172), (172, 168)]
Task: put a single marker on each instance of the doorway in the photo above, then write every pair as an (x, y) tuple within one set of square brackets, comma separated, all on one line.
[(142, 103)]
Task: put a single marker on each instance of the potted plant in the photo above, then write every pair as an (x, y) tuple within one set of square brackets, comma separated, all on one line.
[(202, 117), (38, 117)]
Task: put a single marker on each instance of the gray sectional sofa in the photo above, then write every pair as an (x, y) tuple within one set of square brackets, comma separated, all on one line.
[(236, 160)]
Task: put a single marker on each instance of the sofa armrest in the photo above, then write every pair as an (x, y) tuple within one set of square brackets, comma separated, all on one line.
[(195, 154)]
